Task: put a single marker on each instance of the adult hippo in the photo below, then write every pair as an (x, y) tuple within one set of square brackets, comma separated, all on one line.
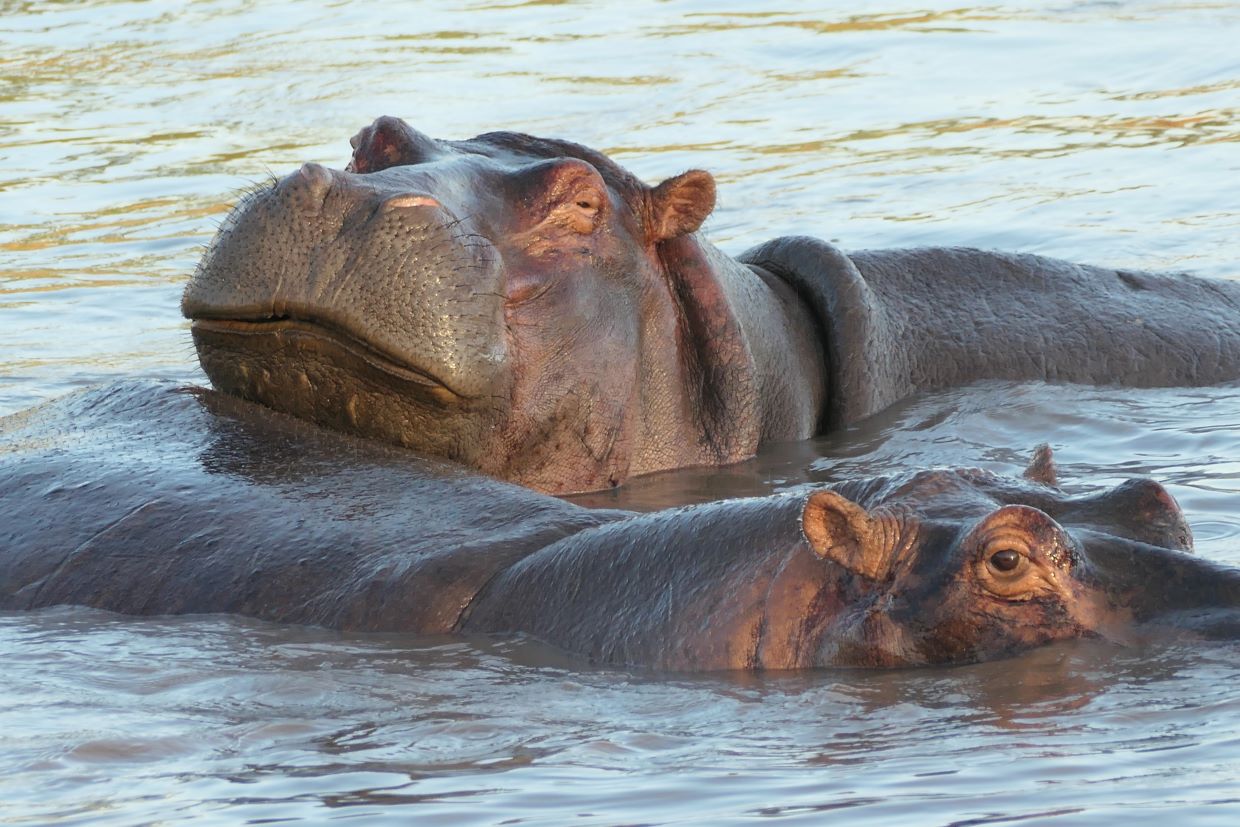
[(528, 308), (147, 499)]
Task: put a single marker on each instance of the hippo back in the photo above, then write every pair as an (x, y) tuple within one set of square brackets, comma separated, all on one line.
[(152, 499)]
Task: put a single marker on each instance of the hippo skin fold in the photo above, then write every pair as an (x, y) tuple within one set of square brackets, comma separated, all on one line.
[(145, 498), (530, 309)]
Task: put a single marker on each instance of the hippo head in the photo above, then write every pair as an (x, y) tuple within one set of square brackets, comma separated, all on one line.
[(492, 301), (929, 567), (961, 565), (946, 591)]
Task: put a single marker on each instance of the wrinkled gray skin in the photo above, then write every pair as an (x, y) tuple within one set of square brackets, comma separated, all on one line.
[(148, 499), (902, 321), (528, 308)]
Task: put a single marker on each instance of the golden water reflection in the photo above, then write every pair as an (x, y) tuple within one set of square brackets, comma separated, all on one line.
[(128, 129), (1103, 132)]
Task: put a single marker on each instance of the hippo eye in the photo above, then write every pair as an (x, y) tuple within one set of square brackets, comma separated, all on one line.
[(580, 212), (1005, 560), (588, 201)]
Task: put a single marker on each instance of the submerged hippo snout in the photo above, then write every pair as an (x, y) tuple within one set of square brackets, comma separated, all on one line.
[(1162, 586)]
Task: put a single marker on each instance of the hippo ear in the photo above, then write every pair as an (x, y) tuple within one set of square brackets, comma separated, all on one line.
[(388, 142), (679, 205), (1042, 467), (840, 530)]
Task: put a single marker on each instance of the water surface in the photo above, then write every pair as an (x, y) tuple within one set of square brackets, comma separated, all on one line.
[(1095, 131)]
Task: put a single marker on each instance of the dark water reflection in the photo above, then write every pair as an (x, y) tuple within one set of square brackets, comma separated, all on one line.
[(1100, 132)]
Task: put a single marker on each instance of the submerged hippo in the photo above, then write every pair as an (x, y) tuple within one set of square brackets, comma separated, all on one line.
[(147, 499), (527, 307)]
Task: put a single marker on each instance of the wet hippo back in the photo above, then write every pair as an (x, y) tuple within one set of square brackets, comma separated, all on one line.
[(145, 499), (224, 506), (898, 322)]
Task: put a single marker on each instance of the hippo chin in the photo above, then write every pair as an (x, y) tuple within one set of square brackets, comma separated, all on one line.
[(530, 309), (153, 500)]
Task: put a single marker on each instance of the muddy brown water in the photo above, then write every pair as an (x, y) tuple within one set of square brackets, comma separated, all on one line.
[(1095, 131)]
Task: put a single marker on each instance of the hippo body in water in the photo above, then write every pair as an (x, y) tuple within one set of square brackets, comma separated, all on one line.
[(530, 309), (148, 499)]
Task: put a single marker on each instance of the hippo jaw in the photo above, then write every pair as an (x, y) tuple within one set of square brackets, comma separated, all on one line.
[(501, 302), (324, 336), (325, 376)]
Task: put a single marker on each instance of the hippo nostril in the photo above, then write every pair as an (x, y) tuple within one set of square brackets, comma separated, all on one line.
[(309, 185), (317, 179), (406, 202)]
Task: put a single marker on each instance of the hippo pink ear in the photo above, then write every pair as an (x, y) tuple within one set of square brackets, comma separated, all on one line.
[(840, 530), (681, 204), (1042, 467)]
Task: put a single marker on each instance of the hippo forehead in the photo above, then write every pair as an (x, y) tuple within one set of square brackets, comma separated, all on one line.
[(1139, 509), (509, 151), (516, 148), (948, 493)]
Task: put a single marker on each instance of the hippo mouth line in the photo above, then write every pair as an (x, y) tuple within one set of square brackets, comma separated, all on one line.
[(365, 351)]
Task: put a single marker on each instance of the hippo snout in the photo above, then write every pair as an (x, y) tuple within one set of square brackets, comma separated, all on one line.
[(312, 182), (382, 266), (370, 304), (1162, 586)]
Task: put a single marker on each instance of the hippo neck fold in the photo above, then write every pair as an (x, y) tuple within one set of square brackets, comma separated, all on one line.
[(746, 346), (899, 322), (845, 310)]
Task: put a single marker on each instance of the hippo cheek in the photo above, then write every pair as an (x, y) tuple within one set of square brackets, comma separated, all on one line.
[(970, 623), (577, 372), (869, 636), (573, 413), (938, 622)]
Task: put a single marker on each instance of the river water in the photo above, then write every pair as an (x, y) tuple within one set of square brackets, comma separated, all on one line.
[(1097, 131)]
